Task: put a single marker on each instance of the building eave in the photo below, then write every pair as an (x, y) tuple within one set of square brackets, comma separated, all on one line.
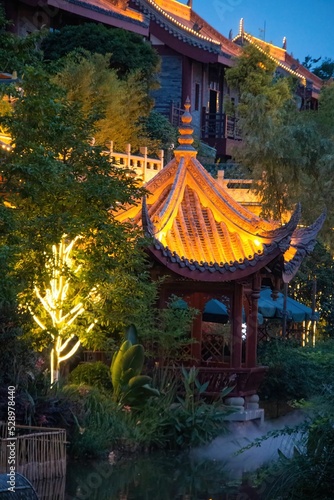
[(213, 273), (108, 17)]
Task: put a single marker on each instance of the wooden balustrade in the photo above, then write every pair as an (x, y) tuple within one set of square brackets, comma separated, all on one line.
[(219, 126), (243, 381)]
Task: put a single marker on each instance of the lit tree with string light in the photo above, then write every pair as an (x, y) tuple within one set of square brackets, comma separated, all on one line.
[(79, 272), (54, 300)]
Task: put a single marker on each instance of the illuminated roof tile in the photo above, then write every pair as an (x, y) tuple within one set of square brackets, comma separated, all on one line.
[(195, 224)]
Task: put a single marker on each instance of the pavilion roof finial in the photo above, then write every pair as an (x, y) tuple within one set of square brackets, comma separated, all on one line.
[(241, 26), (186, 130)]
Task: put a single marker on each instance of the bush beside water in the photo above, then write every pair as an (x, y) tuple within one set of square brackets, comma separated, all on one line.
[(295, 372), (165, 422), (305, 376)]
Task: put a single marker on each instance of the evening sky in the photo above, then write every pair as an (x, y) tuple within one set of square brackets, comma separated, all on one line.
[(308, 25)]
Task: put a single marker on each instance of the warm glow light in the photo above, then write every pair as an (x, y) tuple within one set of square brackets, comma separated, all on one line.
[(183, 26), (290, 253), (54, 299), (279, 63), (161, 237)]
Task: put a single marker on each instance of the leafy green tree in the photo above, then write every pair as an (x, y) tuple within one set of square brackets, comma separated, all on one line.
[(161, 132), (128, 51), (318, 267), (309, 61), (316, 145), (253, 74), (118, 106), (61, 195), (265, 112), (324, 70), (289, 153)]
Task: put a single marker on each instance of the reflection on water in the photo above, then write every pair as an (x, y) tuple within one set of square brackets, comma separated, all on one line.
[(49, 489), (153, 477), (213, 472)]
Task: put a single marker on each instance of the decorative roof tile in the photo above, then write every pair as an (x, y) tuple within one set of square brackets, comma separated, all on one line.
[(195, 224), (107, 9), (302, 244), (205, 38)]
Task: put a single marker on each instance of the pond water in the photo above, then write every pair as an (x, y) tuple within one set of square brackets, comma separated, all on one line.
[(155, 477), (213, 472)]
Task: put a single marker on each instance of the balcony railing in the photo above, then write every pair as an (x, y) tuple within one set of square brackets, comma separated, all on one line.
[(213, 126), (220, 126)]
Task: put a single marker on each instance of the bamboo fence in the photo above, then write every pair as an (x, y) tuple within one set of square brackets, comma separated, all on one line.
[(40, 453)]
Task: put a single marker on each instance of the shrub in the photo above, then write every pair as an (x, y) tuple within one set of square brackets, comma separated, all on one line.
[(99, 422), (94, 374), (308, 474), (170, 340), (191, 421), (130, 387), (295, 372)]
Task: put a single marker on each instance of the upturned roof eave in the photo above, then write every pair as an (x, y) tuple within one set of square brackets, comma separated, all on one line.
[(303, 241), (241, 218), (108, 17), (213, 273), (186, 41)]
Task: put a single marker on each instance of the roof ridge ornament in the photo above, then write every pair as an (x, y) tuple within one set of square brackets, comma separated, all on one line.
[(241, 27), (185, 149)]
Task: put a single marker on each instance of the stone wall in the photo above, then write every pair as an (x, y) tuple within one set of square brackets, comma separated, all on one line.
[(171, 84)]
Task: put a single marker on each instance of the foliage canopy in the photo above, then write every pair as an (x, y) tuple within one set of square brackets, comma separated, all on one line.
[(128, 52), (58, 188), (290, 152)]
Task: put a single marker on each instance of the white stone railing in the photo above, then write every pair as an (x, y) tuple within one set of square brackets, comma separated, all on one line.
[(143, 167)]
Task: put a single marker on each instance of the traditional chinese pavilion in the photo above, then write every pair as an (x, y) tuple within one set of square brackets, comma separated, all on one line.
[(207, 246)]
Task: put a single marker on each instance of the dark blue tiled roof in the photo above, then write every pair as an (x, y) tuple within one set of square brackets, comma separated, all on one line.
[(106, 12)]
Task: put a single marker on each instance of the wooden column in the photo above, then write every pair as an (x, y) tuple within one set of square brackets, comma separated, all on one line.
[(236, 327), (251, 342), (196, 300)]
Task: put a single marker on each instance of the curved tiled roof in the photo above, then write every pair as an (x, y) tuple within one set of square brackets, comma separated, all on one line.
[(205, 38), (105, 8), (196, 226), (281, 58)]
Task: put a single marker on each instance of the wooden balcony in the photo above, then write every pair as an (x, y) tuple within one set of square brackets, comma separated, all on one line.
[(218, 130), (219, 126)]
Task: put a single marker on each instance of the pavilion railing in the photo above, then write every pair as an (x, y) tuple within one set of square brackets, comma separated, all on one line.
[(242, 381)]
